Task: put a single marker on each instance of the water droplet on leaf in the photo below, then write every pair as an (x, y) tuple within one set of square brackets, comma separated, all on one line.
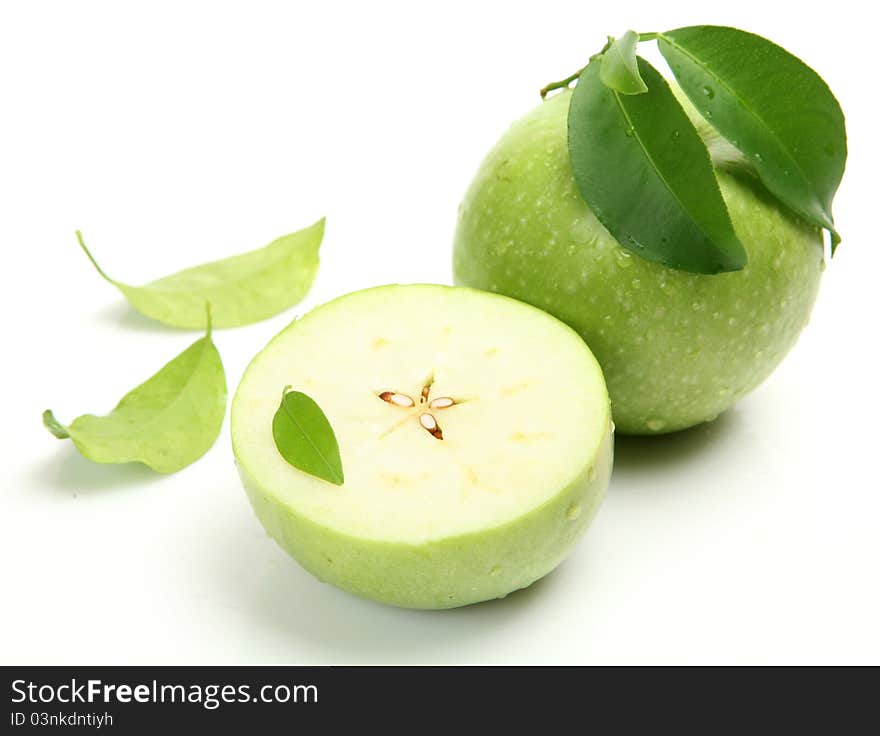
[(636, 243)]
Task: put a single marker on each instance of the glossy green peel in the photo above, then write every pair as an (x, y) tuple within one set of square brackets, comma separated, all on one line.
[(241, 289), (166, 423), (676, 348)]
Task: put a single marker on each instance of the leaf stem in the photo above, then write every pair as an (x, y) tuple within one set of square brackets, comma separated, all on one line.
[(54, 426), (561, 84), (100, 270), (648, 36)]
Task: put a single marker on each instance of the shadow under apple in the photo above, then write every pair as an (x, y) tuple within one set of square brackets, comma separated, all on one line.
[(636, 454), (321, 624)]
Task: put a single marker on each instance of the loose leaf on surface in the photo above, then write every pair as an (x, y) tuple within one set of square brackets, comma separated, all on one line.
[(166, 423), (771, 106), (241, 289), (619, 68), (640, 164), (305, 438)]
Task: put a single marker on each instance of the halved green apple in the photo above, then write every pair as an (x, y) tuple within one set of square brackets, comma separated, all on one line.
[(475, 436)]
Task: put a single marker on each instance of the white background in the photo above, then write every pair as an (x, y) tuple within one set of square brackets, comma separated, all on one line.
[(173, 133)]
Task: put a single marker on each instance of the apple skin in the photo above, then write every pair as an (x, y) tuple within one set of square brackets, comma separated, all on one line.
[(406, 575), (676, 348)]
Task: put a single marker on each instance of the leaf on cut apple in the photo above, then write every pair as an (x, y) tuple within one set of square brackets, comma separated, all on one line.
[(305, 439), (640, 164), (771, 106)]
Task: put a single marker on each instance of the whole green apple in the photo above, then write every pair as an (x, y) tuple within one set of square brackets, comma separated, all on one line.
[(677, 348)]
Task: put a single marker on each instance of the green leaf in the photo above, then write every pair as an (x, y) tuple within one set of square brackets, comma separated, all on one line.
[(619, 67), (305, 438), (771, 106), (166, 423), (241, 289), (640, 164)]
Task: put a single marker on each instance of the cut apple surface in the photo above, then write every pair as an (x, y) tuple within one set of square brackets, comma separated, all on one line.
[(475, 436)]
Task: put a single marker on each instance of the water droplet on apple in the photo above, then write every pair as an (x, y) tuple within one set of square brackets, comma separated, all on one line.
[(580, 231), (656, 425), (573, 512), (624, 259), (495, 570), (724, 393)]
